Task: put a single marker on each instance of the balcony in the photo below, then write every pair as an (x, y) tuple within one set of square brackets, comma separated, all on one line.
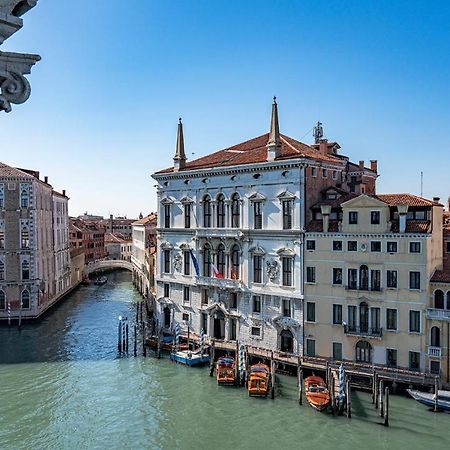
[(363, 331), (223, 283), (434, 352), (364, 288), (438, 314), (219, 232)]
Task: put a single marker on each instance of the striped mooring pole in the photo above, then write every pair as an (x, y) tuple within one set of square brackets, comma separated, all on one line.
[(341, 386), (202, 342), (177, 337), (9, 313), (241, 362)]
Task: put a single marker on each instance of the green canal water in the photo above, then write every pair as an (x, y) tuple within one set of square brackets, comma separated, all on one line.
[(63, 386)]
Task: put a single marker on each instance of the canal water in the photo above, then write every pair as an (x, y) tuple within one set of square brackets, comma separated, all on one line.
[(63, 386)]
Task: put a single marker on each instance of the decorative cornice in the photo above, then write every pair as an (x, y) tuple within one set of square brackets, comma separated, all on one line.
[(10, 12)]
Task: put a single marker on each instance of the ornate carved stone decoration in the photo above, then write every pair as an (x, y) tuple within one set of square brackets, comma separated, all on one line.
[(14, 87), (272, 269), (285, 322), (177, 262)]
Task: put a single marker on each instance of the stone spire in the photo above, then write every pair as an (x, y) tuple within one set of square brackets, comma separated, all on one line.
[(180, 156), (274, 143)]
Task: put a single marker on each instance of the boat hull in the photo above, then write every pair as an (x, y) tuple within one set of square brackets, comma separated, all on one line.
[(428, 400), (258, 381), (189, 359), (317, 393)]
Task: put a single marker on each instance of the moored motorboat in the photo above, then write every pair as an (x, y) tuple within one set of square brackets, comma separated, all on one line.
[(101, 280), (317, 393), (190, 358), (225, 370), (429, 399), (259, 380)]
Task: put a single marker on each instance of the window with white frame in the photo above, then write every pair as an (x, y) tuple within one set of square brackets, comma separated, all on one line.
[(25, 269), (24, 195), (257, 268), (256, 304), (257, 215), (414, 247), (286, 268), (286, 308), (2, 300), (287, 206)]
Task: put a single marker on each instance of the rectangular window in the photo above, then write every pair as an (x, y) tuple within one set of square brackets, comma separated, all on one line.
[(414, 280), (391, 247), (353, 217), (310, 347), (337, 351), (414, 247), (337, 314), (391, 319), (414, 361), (186, 294), (337, 246), (204, 323), (310, 244), (335, 174), (205, 296), (233, 300), (256, 331), (310, 312), (186, 317), (166, 290), (187, 262), (391, 279), (287, 214), (414, 321), (391, 357), (352, 246), (286, 263), (187, 215), (257, 215), (310, 274), (375, 246), (324, 173), (337, 275), (375, 320), (435, 367), (286, 306), (232, 334), (448, 246), (352, 278), (375, 217), (313, 171), (352, 317), (166, 261), (256, 304), (257, 269), (375, 280), (166, 216)]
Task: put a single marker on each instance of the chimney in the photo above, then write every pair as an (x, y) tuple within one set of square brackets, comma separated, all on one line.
[(326, 211), (46, 180), (64, 192), (111, 223), (323, 146), (374, 165), (436, 200), (402, 210), (361, 165)]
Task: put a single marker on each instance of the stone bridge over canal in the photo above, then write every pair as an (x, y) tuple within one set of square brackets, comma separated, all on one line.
[(106, 264)]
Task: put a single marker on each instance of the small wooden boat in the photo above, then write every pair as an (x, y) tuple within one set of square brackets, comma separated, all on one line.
[(225, 370), (190, 358), (317, 393), (259, 380), (428, 399), (101, 280)]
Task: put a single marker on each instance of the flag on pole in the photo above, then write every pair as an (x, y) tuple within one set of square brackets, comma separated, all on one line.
[(216, 272), (195, 262)]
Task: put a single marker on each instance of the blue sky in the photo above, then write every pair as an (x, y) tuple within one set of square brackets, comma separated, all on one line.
[(115, 76)]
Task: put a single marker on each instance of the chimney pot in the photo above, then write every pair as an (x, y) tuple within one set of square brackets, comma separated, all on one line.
[(374, 165), (436, 200), (361, 165), (323, 146), (64, 192), (46, 180)]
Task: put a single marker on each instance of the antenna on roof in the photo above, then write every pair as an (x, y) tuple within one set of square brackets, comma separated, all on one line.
[(318, 132), (421, 184)]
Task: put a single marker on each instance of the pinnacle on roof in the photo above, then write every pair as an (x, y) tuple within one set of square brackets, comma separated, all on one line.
[(274, 143), (180, 156), (318, 132)]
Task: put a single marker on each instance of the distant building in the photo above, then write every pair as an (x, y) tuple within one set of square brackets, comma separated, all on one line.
[(88, 236), (118, 225), (144, 254), (118, 246), (35, 267)]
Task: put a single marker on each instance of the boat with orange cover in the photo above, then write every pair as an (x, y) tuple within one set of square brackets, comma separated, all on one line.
[(259, 380), (317, 393), (225, 370)]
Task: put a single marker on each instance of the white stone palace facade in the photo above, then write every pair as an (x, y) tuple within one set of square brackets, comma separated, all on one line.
[(241, 212)]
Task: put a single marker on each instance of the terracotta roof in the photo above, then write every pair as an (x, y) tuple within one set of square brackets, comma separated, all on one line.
[(147, 219), (336, 203), (116, 238), (403, 199), (316, 226), (255, 151), (413, 226), (440, 276), (12, 172)]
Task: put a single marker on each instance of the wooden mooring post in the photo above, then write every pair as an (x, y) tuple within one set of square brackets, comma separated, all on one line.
[(144, 335), (135, 340), (333, 399), (375, 390), (348, 398), (236, 364), (300, 383), (212, 359), (272, 377), (380, 398), (436, 391), (386, 407)]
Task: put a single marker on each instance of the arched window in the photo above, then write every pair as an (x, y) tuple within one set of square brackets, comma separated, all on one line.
[(2, 300), (435, 337), (448, 300), (207, 260), (221, 259), (25, 237), (25, 270), (235, 257), (364, 317), (2, 270), (364, 278), (25, 297), (220, 211), (235, 211), (439, 299), (207, 211), (287, 341), (363, 352), (24, 195)]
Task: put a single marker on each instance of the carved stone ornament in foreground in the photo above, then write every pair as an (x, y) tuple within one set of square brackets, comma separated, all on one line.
[(14, 87), (272, 269)]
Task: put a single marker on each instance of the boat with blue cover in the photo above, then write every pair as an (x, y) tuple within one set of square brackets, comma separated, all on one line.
[(190, 358)]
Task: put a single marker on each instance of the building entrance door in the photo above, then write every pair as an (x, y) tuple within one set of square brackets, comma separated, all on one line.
[(219, 325)]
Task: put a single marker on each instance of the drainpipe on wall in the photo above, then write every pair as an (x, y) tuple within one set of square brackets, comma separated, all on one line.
[(302, 249)]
